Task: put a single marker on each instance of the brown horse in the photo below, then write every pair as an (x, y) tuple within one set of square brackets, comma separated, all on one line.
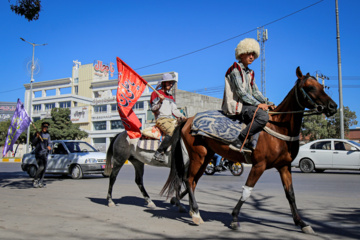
[(272, 151)]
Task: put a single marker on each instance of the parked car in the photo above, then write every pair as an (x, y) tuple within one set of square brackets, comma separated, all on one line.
[(68, 157), (319, 155)]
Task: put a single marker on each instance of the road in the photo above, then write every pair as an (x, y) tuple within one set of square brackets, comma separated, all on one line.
[(76, 209)]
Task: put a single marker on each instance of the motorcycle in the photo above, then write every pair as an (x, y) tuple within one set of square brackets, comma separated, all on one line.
[(235, 168)]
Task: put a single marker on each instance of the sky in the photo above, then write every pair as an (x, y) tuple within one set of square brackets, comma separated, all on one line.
[(195, 38)]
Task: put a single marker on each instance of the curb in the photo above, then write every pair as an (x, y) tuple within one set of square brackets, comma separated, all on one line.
[(10, 160)]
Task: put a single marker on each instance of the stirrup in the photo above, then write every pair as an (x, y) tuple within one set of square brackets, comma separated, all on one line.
[(159, 157), (244, 149)]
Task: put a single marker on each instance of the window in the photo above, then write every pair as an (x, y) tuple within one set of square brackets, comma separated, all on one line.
[(36, 119), (138, 106), (324, 145), (98, 126), (113, 92), (76, 90), (37, 107), (100, 109), (113, 107), (58, 148), (99, 140), (116, 124), (342, 146), (65, 104), (76, 80), (49, 106), (37, 94), (75, 104)]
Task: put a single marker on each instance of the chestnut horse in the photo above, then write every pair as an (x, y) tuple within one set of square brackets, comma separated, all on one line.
[(272, 151)]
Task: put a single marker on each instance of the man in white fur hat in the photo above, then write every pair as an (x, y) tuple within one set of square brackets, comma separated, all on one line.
[(242, 96), (165, 110)]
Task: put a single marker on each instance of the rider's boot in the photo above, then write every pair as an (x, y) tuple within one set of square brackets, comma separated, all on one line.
[(159, 154), (236, 145)]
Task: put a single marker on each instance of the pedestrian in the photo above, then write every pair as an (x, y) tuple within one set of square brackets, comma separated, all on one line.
[(241, 94), (43, 144), (165, 110)]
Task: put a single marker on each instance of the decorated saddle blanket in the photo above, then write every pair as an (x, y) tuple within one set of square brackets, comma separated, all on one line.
[(217, 125)]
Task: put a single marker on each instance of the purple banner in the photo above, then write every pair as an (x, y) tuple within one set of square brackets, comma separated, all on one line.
[(20, 121)]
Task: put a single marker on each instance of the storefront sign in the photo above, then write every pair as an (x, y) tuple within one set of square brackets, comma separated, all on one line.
[(100, 117), (102, 71), (100, 101), (79, 115)]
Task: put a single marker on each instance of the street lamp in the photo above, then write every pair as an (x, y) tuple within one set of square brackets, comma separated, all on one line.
[(31, 93)]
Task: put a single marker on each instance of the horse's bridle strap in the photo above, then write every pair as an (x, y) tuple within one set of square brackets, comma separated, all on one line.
[(281, 136)]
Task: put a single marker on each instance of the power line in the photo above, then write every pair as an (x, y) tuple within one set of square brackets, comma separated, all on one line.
[(215, 44), (218, 43)]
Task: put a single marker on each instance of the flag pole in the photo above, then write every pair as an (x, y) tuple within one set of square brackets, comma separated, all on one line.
[(36, 130)]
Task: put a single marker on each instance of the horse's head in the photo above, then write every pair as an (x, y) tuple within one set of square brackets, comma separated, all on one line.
[(310, 94)]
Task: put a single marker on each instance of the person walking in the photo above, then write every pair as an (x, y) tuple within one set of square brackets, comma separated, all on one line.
[(43, 144)]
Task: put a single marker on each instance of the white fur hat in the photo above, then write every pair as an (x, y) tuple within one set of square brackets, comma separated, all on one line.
[(248, 45)]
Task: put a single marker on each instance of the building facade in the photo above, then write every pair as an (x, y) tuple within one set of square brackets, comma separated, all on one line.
[(90, 93), (7, 110)]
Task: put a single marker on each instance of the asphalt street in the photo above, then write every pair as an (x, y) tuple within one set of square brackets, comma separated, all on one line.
[(77, 209)]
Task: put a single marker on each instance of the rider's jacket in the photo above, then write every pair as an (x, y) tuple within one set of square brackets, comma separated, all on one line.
[(167, 108), (240, 88), (41, 145)]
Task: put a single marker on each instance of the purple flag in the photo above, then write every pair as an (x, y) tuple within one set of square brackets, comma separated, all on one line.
[(20, 121)]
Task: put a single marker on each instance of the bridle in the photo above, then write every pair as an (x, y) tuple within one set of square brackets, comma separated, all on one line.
[(315, 108)]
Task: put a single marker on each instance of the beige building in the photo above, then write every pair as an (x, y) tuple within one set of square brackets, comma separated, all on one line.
[(91, 96)]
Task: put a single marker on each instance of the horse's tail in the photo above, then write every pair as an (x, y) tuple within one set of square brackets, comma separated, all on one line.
[(177, 169), (109, 154)]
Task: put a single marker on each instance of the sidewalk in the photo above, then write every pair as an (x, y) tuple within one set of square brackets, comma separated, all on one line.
[(10, 159)]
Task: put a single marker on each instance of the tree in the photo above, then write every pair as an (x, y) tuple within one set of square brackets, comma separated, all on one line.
[(28, 8), (319, 127), (4, 127)]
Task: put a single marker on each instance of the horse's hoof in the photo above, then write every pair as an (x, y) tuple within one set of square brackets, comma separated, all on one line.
[(151, 204), (308, 230), (111, 204), (173, 201), (235, 225), (196, 218), (182, 209)]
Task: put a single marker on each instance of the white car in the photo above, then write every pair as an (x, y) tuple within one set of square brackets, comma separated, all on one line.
[(68, 157), (319, 155)]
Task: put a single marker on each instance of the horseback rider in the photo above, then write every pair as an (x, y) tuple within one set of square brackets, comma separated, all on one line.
[(164, 108), (241, 94)]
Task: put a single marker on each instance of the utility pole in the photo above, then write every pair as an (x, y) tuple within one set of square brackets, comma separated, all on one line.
[(262, 37), (342, 135), (322, 77), (31, 92)]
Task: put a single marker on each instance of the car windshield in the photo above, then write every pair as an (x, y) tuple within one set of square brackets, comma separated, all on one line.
[(79, 147), (355, 143)]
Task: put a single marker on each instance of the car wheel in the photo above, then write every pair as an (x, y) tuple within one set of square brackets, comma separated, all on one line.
[(306, 165), (32, 171), (76, 172), (319, 170)]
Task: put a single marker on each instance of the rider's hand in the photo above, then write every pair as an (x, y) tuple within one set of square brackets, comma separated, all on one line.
[(272, 107), (263, 106), (162, 97), (37, 134), (49, 148)]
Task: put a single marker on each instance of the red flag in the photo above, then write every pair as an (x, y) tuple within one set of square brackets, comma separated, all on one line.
[(130, 87)]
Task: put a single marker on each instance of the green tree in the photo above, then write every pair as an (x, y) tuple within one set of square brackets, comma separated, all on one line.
[(28, 8), (349, 120), (4, 127), (319, 127)]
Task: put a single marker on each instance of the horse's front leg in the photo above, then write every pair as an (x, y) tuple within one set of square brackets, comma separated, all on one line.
[(286, 178), (254, 175), (139, 174)]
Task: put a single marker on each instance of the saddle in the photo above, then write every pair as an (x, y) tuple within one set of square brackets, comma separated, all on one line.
[(150, 139), (216, 125)]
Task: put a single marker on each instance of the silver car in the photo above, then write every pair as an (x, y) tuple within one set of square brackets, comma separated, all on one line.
[(319, 155), (68, 157)]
